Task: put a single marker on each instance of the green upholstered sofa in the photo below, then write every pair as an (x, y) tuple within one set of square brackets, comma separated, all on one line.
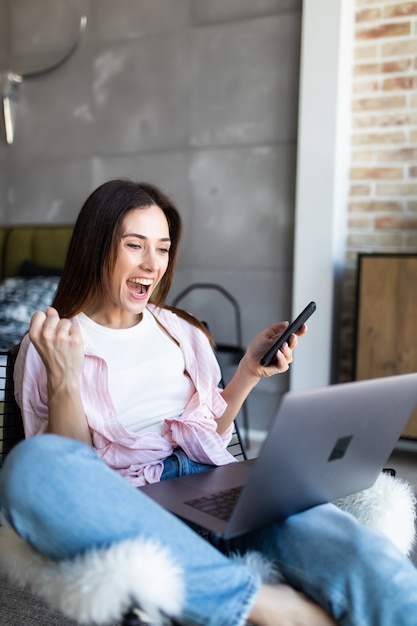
[(45, 245)]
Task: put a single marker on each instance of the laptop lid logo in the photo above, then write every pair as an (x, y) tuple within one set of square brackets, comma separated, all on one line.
[(340, 448)]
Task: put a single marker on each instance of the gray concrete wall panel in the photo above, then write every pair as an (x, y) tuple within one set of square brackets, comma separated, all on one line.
[(141, 93), (130, 19), (48, 191), (214, 11), (245, 202), (246, 83)]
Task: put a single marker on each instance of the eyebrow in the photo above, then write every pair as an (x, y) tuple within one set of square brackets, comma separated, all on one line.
[(143, 237)]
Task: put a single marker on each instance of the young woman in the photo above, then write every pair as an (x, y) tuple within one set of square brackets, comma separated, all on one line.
[(110, 372)]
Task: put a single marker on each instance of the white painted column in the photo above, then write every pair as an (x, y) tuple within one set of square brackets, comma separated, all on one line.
[(322, 180)]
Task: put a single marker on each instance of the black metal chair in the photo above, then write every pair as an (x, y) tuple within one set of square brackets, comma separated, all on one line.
[(228, 353), (11, 425)]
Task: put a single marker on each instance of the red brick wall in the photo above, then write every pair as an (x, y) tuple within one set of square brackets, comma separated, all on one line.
[(382, 205)]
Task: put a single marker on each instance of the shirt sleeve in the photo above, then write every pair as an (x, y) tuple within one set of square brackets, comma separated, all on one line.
[(30, 386)]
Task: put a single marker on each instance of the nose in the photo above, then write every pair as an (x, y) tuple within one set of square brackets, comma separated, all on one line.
[(150, 261)]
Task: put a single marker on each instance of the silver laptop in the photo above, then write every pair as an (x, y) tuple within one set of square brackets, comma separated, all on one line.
[(324, 443)]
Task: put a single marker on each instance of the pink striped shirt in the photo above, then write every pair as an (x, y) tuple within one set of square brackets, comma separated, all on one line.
[(139, 458)]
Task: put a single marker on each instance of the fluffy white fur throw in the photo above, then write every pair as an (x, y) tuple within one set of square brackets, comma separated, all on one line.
[(99, 587), (390, 506)]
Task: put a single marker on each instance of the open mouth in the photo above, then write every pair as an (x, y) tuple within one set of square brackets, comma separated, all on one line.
[(139, 285)]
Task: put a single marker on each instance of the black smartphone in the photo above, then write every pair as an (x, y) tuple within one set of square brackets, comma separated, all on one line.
[(292, 328)]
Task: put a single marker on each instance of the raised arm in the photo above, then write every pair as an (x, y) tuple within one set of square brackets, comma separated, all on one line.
[(60, 346), (249, 371)]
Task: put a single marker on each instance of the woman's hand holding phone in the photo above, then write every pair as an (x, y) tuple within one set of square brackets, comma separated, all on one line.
[(268, 358)]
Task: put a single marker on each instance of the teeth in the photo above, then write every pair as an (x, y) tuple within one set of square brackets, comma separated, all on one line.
[(141, 281)]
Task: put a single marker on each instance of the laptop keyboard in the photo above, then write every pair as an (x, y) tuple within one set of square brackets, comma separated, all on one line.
[(219, 504)]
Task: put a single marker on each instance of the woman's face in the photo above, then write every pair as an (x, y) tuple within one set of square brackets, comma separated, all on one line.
[(142, 260)]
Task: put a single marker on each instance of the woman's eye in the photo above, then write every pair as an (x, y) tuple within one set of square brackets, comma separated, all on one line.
[(134, 246), (164, 250)]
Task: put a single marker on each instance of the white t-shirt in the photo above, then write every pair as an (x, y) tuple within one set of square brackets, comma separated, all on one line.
[(147, 378)]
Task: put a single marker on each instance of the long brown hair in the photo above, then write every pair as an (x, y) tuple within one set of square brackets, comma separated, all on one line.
[(94, 243)]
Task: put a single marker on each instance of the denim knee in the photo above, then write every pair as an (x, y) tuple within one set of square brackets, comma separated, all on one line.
[(29, 464), (16, 466)]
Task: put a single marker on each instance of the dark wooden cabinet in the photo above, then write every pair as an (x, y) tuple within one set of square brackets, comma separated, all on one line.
[(385, 341)]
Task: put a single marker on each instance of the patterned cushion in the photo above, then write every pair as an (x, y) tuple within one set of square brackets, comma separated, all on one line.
[(20, 297)]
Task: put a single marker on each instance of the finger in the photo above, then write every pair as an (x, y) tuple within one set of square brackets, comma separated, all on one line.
[(66, 333), (38, 318), (36, 323), (287, 353), (64, 324), (51, 312), (293, 341), (57, 333), (302, 330), (50, 325), (276, 330), (281, 359), (43, 326)]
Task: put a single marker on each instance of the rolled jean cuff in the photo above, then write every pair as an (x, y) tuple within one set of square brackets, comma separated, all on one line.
[(231, 608)]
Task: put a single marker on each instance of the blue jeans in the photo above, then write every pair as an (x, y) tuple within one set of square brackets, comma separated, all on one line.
[(178, 464), (60, 497)]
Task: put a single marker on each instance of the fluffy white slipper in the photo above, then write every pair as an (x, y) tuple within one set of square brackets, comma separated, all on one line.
[(98, 587)]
